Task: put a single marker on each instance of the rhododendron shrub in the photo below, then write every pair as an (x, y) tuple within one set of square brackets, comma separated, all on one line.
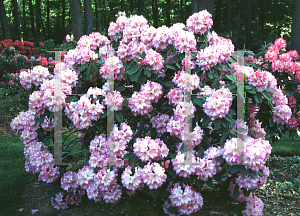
[(285, 67), (150, 137)]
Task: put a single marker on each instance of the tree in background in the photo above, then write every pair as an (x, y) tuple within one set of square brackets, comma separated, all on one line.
[(88, 17), (4, 22), (249, 21), (295, 42), (76, 19), (206, 4), (31, 19), (17, 19)]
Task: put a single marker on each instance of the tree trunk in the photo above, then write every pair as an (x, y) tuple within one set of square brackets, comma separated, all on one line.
[(17, 20), (194, 6), (32, 19), (88, 17), (63, 18), (24, 17), (206, 4), (255, 16), (217, 18), (140, 7), (4, 22), (295, 42), (155, 13), (48, 18), (249, 20), (37, 17), (229, 19), (168, 13), (262, 21), (76, 19), (97, 15), (131, 6), (122, 6)]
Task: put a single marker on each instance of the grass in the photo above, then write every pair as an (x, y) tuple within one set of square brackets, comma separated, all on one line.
[(14, 177)]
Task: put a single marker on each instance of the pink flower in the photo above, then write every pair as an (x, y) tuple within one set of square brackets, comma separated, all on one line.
[(280, 43), (33, 211)]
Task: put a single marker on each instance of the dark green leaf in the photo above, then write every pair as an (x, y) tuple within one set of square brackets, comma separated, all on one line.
[(133, 71), (171, 67), (258, 97), (119, 116), (236, 169), (173, 210), (209, 182), (169, 83), (236, 192), (219, 158), (270, 90), (245, 192), (171, 173), (217, 123), (267, 95), (206, 120), (135, 76), (230, 78), (218, 177), (82, 67), (199, 102)]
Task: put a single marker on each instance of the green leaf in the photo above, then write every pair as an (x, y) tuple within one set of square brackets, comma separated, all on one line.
[(119, 88), (119, 116), (169, 83), (82, 67), (270, 90), (172, 173), (218, 177), (135, 76), (171, 67), (261, 173), (173, 210), (236, 192), (199, 102), (217, 123), (271, 123), (143, 78), (133, 71), (230, 78), (236, 169), (245, 172), (147, 73), (224, 137), (206, 120), (209, 75), (267, 95), (219, 159), (99, 62), (258, 97), (246, 193), (252, 174), (209, 182)]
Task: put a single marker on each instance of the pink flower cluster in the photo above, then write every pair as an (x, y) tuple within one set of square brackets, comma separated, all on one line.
[(93, 41), (112, 66), (132, 182), (186, 164), (253, 206), (63, 199), (280, 43), (140, 102), (186, 82), (281, 114), (257, 131), (217, 105), (84, 111), (35, 76), (154, 59), (200, 22), (215, 54), (185, 41), (259, 79), (148, 149), (185, 199), (175, 96), (292, 123), (154, 175), (292, 102), (160, 123), (114, 102), (99, 149)]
